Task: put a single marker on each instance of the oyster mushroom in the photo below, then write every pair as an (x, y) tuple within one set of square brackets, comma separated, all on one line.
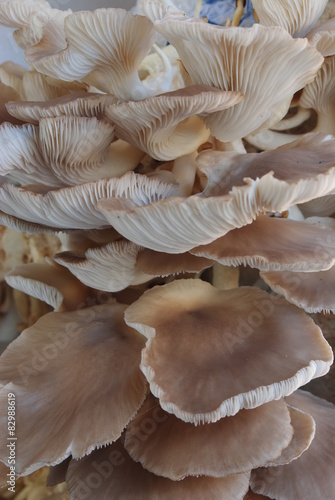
[(58, 373), (225, 328)]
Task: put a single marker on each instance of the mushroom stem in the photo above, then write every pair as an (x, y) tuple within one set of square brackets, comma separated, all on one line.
[(225, 277), (238, 12), (326, 122), (122, 157), (300, 117), (162, 82), (197, 8), (184, 170), (268, 140), (255, 16), (236, 146)]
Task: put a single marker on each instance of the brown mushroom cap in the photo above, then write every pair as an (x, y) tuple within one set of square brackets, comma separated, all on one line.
[(51, 284), (224, 336), (271, 243), (311, 475), (124, 478), (313, 291), (175, 449), (53, 367)]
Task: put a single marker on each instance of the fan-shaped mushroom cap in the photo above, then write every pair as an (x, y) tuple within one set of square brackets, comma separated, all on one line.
[(120, 264), (241, 60), (77, 104), (12, 74), (238, 188), (313, 292), (51, 284), (62, 151), (323, 38), (107, 55), (166, 126), (320, 95), (303, 435), (76, 207), (7, 94), (59, 366), (232, 360), (322, 207), (175, 449), (271, 243), (127, 479), (312, 475), (110, 268), (18, 13), (298, 17)]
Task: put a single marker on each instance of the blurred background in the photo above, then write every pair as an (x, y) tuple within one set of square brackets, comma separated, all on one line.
[(9, 51)]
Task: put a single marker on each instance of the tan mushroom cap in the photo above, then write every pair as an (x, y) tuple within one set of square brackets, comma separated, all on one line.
[(51, 284), (167, 126), (303, 435), (271, 243), (241, 60), (175, 449), (76, 104), (239, 187), (313, 292), (76, 207), (320, 96), (224, 336), (322, 207), (164, 264), (117, 265), (17, 13), (127, 479), (323, 38), (110, 268), (7, 94), (53, 366), (298, 17), (254, 496), (106, 56), (312, 475)]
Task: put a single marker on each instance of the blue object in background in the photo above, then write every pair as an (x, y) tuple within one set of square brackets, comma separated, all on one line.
[(217, 12)]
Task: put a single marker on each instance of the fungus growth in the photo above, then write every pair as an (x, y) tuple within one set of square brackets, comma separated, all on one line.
[(167, 201)]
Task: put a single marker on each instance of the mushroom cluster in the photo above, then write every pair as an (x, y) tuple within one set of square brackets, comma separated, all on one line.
[(167, 201)]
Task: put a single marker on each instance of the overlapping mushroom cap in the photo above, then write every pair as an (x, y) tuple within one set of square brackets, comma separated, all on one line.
[(65, 370), (223, 335), (240, 60)]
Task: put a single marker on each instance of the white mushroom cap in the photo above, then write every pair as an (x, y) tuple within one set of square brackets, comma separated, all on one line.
[(320, 96), (298, 17), (166, 126), (323, 38), (241, 60), (76, 207), (239, 187), (106, 56)]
